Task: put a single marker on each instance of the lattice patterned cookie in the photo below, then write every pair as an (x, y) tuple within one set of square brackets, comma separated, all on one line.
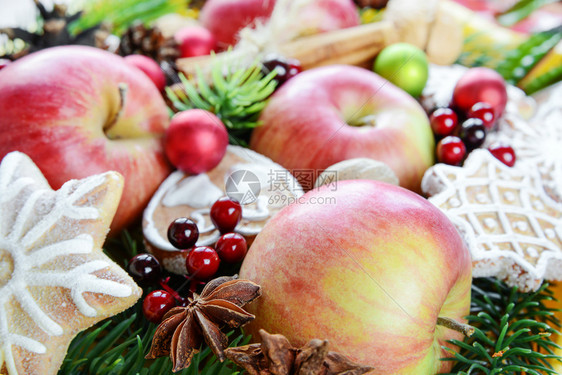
[(538, 142), (512, 227), (54, 279)]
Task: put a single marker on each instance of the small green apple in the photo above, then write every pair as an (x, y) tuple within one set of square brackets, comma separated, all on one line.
[(404, 65)]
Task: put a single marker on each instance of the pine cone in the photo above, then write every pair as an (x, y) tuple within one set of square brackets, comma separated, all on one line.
[(376, 4), (148, 41)]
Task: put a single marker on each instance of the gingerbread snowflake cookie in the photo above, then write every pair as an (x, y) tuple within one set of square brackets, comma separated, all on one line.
[(54, 279), (512, 227), (262, 186)]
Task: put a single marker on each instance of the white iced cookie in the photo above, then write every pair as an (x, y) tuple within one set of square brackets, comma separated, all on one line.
[(54, 277), (260, 185), (512, 227), (357, 169)]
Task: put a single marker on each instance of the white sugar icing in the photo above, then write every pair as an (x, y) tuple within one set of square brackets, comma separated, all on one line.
[(18, 175), (196, 191), (445, 181), (179, 190)]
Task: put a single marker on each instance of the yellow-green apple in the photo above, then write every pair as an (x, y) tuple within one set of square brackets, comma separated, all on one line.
[(369, 266), (328, 114), (78, 111), (225, 18)]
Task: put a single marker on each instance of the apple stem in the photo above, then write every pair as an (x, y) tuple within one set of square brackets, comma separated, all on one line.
[(465, 329), (123, 90)]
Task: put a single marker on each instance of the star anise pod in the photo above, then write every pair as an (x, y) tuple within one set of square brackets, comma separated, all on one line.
[(276, 356), (183, 329)]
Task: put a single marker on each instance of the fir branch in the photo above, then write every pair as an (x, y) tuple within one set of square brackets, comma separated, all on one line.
[(521, 10), (512, 331), (521, 60), (237, 97)]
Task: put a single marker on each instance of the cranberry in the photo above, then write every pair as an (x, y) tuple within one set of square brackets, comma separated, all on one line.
[(231, 247), (156, 304), (451, 150), (472, 133), (285, 68), (484, 112), (443, 121), (145, 269), (503, 153), (183, 233), (202, 262), (226, 213)]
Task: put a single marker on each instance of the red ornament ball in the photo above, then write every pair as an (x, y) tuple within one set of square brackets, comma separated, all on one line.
[(232, 247), (149, 67), (202, 262), (503, 153), (480, 85), (451, 150), (195, 41), (156, 304), (195, 141)]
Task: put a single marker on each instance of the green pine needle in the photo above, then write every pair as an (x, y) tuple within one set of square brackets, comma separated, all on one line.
[(236, 97), (519, 62), (512, 332)]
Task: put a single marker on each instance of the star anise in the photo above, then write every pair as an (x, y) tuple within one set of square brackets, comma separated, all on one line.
[(183, 329), (276, 356)]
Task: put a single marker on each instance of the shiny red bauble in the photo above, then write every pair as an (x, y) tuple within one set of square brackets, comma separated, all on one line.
[(156, 304), (451, 150), (503, 153), (195, 41), (232, 247), (149, 67), (480, 85), (226, 213), (195, 141), (202, 262)]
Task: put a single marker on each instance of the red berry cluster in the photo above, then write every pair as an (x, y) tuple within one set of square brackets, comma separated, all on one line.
[(460, 133), (203, 262)]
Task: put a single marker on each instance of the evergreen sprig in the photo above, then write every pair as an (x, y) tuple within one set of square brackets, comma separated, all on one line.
[(512, 331), (519, 61), (237, 96)]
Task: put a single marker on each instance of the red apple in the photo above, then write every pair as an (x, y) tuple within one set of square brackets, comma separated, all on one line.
[(150, 68), (225, 18), (4, 63), (79, 111), (195, 41), (368, 266), (480, 85), (326, 115), (196, 141)]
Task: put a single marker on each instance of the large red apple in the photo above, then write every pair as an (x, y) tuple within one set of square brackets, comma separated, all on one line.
[(78, 111), (370, 267), (329, 114), (225, 18)]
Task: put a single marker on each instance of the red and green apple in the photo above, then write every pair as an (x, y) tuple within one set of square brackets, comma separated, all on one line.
[(329, 114), (369, 266), (78, 111)]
